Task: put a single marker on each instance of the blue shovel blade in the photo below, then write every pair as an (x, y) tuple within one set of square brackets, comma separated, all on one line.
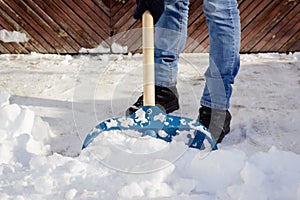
[(152, 121)]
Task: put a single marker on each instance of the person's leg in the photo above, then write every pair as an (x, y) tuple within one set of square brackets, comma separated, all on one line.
[(223, 20), (170, 37)]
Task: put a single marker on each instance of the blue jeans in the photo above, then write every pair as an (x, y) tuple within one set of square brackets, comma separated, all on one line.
[(223, 21)]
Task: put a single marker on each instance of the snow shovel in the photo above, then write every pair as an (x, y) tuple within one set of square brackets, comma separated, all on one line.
[(150, 120)]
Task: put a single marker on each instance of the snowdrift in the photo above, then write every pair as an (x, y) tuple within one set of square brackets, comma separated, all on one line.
[(117, 166), (22, 133)]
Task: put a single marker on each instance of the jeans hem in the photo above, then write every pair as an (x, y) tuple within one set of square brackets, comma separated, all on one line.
[(214, 106), (165, 84)]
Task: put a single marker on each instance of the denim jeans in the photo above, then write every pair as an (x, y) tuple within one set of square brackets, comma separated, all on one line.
[(223, 21)]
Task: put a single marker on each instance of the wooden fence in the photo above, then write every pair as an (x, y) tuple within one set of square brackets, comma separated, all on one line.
[(68, 26)]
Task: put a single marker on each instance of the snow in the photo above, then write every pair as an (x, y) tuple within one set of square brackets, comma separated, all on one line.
[(114, 48), (48, 103), (12, 36)]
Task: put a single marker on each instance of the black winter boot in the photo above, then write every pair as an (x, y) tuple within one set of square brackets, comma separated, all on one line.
[(165, 98), (217, 121)]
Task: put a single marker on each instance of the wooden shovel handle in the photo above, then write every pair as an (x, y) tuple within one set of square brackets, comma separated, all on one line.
[(148, 59)]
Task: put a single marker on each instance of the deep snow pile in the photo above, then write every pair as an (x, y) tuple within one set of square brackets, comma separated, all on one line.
[(22, 134), (258, 160)]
